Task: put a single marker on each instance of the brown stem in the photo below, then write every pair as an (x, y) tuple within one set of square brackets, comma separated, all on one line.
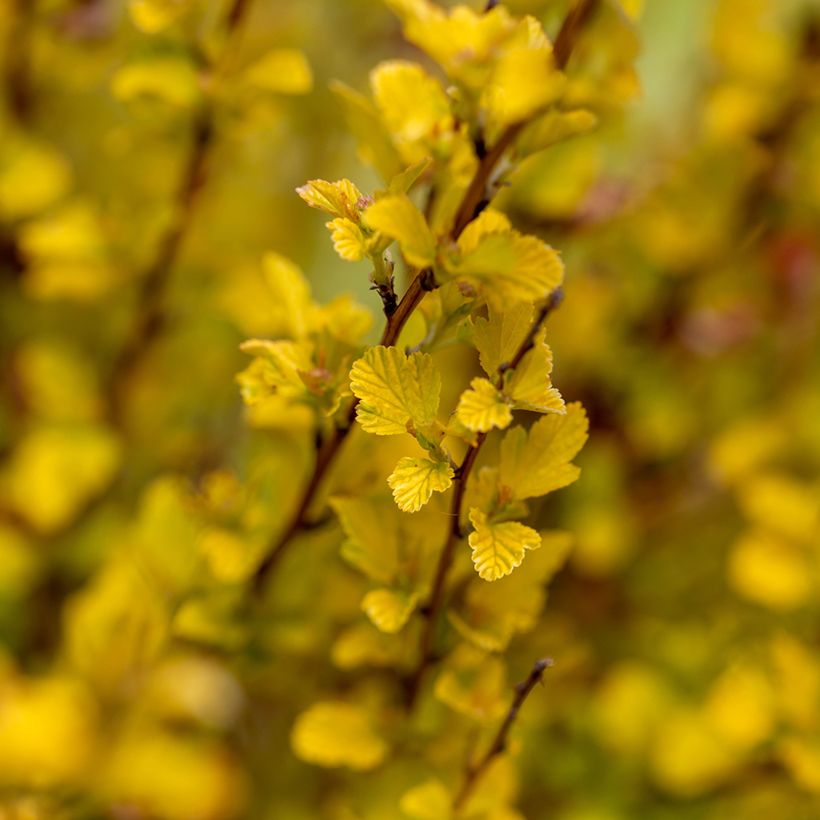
[(567, 37), (445, 561), (474, 772), (16, 68)]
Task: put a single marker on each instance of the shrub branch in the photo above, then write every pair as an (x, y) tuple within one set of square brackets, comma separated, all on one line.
[(473, 772), (456, 534)]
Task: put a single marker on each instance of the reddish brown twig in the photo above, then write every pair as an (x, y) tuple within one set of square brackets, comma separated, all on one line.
[(474, 772)]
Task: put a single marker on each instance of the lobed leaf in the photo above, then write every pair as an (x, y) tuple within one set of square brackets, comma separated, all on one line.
[(395, 389), (499, 548), (397, 217), (532, 464), (348, 239), (482, 407), (389, 609), (333, 734), (339, 199), (416, 479)]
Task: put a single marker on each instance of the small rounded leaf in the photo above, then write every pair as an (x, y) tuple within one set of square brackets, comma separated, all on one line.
[(334, 734)]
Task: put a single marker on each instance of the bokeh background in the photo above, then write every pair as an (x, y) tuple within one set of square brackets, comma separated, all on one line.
[(135, 491)]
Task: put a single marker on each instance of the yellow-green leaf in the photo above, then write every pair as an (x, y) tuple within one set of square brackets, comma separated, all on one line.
[(333, 734), (499, 548), (173, 80), (413, 104), (281, 70), (389, 609), (489, 221), (372, 541), (394, 389), (499, 336), (416, 479), (339, 199), (152, 16), (284, 362), (427, 801), (523, 81), (348, 239), (529, 385), (482, 407), (535, 463), (473, 683), (510, 267), (291, 294), (398, 218), (366, 124)]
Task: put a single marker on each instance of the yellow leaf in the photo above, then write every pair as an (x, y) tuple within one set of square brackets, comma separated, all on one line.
[(58, 383), (398, 218), (334, 734), (488, 615), (414, 106), (173, 80), (291, 294), (33, 176), (499, 548), (41, 720), (482, 407), (770, 571), (461, 40), (539, 462), (363, 645), (283, 71), (67, 254), (394, 389), (509, 266), (365, 123), (529, 385), (228, 556), (552, 127), (56, 469), (801, 758), (523, 82), (339, 199), (402, 182), (416, 479), (389, 609), (489, 221), (499, 336), (741, 707), (473, 683), (345, 320), (779, 503), (348, 239), (427, 801), (170, 774), (153, 16), (282, 363), (688, 758), (372, 542)]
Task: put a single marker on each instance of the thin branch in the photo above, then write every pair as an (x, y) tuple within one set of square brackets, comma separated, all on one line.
[(455, 534), (567, 37), (17, 58), (474, 772)]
